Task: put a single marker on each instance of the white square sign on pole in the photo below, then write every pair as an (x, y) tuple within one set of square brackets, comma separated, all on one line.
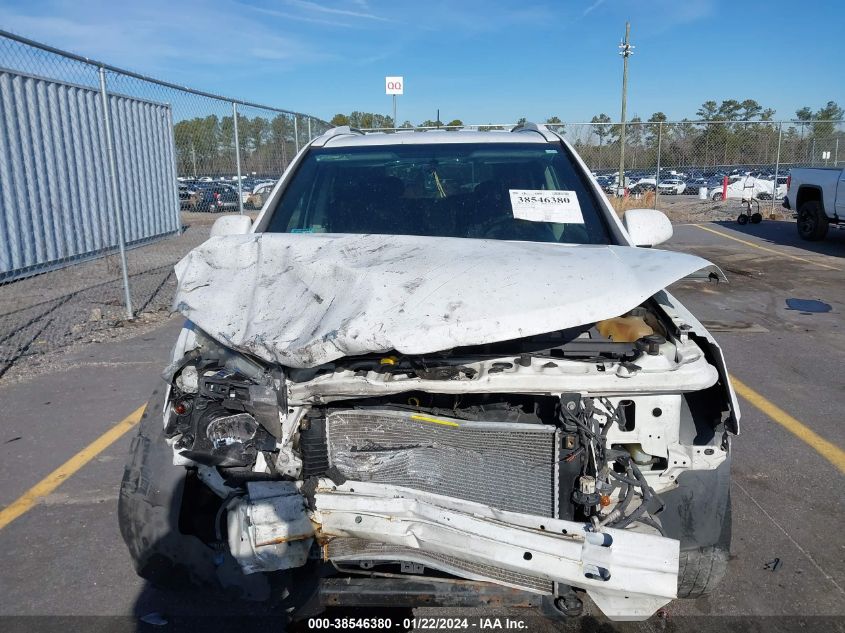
[(394, 85)]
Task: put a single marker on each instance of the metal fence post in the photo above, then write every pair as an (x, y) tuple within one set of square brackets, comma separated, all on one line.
[(309, 130), (118, 216), (238, 159), (295, 133), (836, 153), (777, 168), (657, 175)]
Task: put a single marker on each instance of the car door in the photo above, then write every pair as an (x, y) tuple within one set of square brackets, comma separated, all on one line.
[(840, 195)]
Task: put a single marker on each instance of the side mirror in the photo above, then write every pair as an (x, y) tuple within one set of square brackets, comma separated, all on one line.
[(646, 227), (231, 225)]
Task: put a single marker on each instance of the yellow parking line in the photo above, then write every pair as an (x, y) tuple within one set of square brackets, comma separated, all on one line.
[(831, 452), (31, 497), (764, 248)]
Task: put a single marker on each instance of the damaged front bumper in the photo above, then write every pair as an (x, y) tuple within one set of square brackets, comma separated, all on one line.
[(628, 574)]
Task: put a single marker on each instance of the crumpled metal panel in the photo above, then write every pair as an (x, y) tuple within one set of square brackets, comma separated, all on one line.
[(506, 466), (302, 300), (55, 198)]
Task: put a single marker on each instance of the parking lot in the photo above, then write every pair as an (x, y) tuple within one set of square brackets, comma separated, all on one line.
[(779, 321)]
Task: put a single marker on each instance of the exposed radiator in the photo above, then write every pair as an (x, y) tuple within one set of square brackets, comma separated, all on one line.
[(508, 466)]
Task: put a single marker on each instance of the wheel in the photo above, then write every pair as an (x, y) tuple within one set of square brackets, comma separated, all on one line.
[(154, 527), (698, 514), (742, 219), (756, 218), (812, 222), (718, 197), (699, 571)]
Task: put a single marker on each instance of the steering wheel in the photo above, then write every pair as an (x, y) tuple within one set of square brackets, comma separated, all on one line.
[(574, 234), (508, 228)]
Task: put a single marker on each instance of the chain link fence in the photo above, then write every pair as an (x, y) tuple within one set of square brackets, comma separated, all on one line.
[(708, 170), (105, 199)]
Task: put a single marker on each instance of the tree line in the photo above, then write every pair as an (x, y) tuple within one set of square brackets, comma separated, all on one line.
[(729, 132), (206, 145)]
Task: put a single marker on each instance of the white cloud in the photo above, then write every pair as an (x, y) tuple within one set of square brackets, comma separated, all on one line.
[(188, 37), (308, 5), (593, 7)]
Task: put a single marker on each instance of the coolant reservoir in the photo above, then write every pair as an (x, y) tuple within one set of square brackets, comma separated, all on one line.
[(624, 329), (639, 456)]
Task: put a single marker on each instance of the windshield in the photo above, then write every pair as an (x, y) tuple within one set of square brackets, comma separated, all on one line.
[(508, 191)]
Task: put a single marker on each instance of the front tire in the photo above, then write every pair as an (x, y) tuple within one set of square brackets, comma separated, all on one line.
[(812, 222), (701, 569), (152, 495), (698, 514), (718, 197)]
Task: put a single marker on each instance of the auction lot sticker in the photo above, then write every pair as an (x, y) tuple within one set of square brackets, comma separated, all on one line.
[(543, 205)]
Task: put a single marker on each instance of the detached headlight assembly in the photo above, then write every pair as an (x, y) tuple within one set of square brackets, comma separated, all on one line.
[(221, 417)]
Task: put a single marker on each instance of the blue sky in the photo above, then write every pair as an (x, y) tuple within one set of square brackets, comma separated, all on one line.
[(479, 60)]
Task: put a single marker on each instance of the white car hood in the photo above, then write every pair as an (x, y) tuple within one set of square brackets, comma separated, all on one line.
[(302, 300)]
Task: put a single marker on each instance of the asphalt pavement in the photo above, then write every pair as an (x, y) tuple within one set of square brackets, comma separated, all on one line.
[(779, 321)]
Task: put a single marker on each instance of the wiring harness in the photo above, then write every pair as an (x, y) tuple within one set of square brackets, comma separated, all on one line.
[(604, 471)]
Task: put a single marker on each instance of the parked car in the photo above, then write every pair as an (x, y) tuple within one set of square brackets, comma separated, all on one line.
[(643, 186), (190, 197), (692, 186), (381, 382), (248, 183), (217, 197), (747, 187), (817, 195), (671, 186), (781, 188), (257, 197)]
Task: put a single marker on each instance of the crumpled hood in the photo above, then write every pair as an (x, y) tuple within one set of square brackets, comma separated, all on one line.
[(301, 300)]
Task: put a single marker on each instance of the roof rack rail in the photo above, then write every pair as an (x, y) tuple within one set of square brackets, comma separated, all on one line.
[(341, 130), (542, 130)]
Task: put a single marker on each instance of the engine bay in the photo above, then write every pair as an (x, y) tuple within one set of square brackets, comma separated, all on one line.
[(586, 425)]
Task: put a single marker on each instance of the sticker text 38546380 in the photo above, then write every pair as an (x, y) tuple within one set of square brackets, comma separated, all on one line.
[(543, 205)]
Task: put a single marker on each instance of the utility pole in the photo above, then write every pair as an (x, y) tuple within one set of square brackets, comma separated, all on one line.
[(626, 50)]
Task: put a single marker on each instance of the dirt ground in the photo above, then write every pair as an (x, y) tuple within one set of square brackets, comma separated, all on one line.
[(689, 209), (84, 303)]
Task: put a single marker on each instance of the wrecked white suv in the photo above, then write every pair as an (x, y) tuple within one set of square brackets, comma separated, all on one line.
[(437, 370)]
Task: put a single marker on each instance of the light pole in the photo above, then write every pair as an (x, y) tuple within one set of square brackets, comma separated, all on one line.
[(626, 50), (394, 86)]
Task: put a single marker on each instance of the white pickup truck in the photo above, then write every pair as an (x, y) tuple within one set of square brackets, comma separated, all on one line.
[(817, 195)]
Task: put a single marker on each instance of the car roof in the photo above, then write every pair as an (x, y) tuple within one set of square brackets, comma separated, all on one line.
[(346, 137)]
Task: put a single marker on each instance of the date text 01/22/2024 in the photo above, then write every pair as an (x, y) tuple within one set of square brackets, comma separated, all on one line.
[(419, 624)]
